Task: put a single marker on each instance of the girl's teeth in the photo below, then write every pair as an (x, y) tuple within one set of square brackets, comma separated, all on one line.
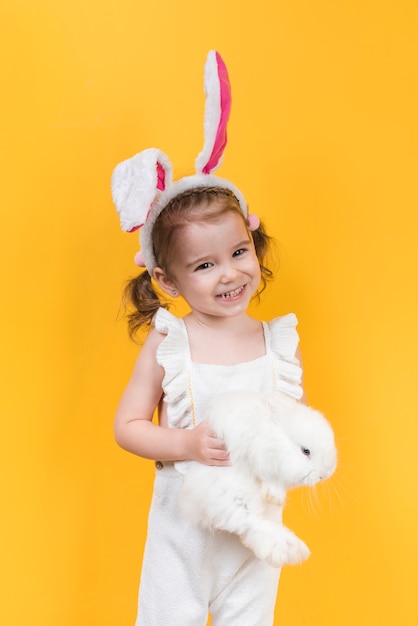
[(231, 294)]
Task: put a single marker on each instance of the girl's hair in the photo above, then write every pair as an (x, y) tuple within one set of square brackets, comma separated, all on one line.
[(198, 204)]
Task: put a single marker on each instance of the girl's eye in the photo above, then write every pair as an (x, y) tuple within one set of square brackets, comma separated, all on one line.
[(203, 266), (306, 451), (239, 252)]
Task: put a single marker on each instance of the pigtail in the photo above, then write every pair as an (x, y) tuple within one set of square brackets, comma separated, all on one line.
[(141, 302)]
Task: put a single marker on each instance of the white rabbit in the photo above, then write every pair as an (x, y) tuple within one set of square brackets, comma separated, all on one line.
[(275, 443)]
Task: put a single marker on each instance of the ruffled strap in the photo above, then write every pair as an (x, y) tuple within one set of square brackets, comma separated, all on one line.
[(173, 354), (283, 340)]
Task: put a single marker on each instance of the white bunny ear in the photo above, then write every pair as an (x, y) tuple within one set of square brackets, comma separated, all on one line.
[(217, 108), (136, 182)]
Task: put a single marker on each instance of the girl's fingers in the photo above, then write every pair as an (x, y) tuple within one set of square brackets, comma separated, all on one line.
[(220, 455)]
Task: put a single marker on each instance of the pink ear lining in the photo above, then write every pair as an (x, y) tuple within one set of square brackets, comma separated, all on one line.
[(160, 177), (225, 105)]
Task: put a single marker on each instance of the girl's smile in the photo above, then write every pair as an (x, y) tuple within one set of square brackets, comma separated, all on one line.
[(231, 295)]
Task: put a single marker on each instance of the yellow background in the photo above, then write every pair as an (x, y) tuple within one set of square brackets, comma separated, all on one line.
[(323, 140)]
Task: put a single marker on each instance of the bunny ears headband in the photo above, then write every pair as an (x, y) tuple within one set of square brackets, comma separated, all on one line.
[(142, 186)]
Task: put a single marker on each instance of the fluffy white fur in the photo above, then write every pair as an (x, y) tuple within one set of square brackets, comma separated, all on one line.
[(275, 443), (134, 186)]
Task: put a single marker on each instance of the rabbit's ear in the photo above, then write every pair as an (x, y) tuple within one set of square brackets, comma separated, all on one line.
[(217, 108), (136, 182)]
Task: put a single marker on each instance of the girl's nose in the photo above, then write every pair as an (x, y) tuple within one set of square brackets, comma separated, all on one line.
[(228, 273)]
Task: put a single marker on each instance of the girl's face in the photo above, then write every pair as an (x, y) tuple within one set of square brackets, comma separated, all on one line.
[(214, 267)]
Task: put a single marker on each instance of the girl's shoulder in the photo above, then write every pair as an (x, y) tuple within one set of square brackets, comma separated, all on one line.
[(164, 322), (282, 335), (288, 321), (173, 356), (282, 340), (173, 346), (164, 327)]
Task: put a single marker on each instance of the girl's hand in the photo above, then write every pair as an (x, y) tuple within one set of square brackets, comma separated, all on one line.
[(205, 446)]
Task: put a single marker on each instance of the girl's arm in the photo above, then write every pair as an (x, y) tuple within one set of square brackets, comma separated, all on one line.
[(135, 431)]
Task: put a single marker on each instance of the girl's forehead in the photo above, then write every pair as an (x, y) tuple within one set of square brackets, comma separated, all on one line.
[(228, 224), (206, 237)]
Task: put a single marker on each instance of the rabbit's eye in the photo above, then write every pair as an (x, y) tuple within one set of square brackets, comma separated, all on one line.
[(306, 451)]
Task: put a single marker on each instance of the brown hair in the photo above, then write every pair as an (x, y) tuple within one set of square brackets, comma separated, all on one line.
[(212, 203)]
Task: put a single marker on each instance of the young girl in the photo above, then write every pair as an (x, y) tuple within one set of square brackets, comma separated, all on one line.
[(198, 242)]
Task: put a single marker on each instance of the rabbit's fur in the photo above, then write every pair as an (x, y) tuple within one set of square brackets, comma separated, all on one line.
[(275, 443)]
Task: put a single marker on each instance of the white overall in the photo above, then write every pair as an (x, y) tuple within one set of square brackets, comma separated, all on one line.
[(188, 572)]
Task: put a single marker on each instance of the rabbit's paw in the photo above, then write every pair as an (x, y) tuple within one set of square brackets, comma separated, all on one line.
[(260, 541), (275, 544), (287, 549)]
